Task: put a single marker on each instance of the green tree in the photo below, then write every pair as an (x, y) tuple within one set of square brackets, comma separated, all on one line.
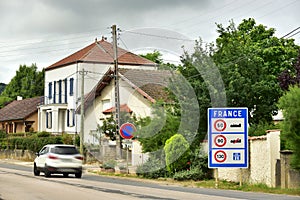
[(156, 57), (153, 133), (198, 69), (250, 58), (290, 104), (177, 153), (28, 82), (109, 125)]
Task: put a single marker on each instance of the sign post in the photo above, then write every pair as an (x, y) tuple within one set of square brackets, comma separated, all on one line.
[(228, 137), (126, 131)]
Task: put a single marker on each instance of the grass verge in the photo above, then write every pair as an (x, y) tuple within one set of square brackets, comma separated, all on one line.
[(226, 185)]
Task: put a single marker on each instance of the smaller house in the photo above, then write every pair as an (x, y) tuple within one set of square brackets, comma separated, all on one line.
[(139, 89), (20, 115)]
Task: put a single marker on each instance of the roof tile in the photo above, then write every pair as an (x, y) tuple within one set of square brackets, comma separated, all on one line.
[(101, 52), (19, 110)]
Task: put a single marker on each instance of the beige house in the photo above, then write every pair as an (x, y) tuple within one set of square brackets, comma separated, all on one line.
[(139, 89), (20, 116)]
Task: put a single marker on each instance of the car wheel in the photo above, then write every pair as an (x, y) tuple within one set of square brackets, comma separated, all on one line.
[(65, 175), (47, 172), (78, 175), (36, 172)]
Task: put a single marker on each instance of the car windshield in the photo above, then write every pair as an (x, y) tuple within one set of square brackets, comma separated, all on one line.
[(64, 150)]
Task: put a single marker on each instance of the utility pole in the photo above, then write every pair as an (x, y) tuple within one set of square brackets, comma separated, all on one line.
[(117, 93), (82, 113)]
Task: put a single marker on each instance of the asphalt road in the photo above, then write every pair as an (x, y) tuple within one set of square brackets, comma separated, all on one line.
[(18, 182)]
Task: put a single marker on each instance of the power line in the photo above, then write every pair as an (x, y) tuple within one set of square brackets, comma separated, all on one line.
[(159, 36), (290, 32)]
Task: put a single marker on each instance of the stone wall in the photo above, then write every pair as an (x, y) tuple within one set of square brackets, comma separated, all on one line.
[(264, 151), (290, 178), (25, 155)]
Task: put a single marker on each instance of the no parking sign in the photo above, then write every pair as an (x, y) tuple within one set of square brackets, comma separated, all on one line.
[(126, 130), (228, 137)]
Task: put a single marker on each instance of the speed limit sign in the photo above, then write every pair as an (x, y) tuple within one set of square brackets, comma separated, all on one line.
[(220, 156), (220, 140), (220, 125)]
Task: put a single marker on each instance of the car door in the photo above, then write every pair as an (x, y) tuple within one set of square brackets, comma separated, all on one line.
[(41, 159)]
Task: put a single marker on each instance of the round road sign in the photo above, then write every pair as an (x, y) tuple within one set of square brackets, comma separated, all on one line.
[(220, 156), (220, 140), (126, 130), (220, 125)]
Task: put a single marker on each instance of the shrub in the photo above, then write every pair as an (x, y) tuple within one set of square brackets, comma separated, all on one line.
[(43, 134), (2, 134), (177, 153), (67, 139), (109, 164), (194, 173), (32, 143), (153, 168)]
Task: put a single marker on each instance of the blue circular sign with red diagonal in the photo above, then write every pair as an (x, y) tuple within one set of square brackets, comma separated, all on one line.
[(126, 130)]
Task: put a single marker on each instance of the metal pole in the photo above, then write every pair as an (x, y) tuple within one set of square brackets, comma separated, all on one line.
[(216, 178), (117, 97), (82, 113), (241, 177), (127, 170)]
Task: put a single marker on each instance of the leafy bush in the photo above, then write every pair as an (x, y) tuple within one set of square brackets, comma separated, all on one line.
[(153, 168), (67, 139), (261, 128), (177, 153), (32, 143), (43, 134), (109, 164), (2, 134), (194, 173)]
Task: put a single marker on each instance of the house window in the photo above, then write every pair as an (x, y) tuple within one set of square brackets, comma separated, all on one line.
[(49, 119), (59, 91), (71, 118), (71, 86), (50, 90), (105, 104), (66, 89)]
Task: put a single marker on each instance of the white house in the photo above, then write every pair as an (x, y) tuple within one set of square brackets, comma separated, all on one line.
[(63, 83), (139, 89)]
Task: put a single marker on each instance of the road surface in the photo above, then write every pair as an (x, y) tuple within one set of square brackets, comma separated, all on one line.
[(17, 182)]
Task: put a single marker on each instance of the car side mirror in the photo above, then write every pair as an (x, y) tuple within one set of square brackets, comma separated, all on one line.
[(37, 154)]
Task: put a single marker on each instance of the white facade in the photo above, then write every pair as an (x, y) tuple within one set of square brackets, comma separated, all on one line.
[(63, 96), (140, 106)]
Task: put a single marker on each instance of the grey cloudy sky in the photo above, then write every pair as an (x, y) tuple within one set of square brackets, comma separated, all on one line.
[(45, 31)]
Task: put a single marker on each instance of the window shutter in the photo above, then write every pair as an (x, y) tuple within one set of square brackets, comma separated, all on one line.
[(71, 86), (68, 118), (54, 92), (66, 91)]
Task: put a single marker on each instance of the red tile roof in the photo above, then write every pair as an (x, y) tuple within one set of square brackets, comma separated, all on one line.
[(123, 108), (101, 52), (20, 110), (151, 84)]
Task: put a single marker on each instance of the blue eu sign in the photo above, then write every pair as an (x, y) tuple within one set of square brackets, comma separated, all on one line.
[(236, 156)]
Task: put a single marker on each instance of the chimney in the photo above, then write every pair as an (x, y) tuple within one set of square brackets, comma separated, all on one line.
[(19, 98)]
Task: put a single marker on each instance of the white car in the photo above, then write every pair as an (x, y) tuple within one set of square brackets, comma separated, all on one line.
[(58, 159)]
